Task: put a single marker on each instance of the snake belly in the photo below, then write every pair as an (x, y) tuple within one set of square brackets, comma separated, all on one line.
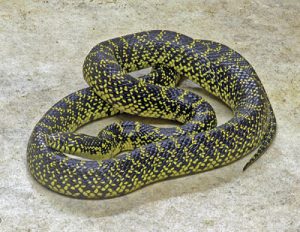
[(215, 67)]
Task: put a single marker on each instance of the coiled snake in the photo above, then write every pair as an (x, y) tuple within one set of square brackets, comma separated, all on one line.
[(153, 154)]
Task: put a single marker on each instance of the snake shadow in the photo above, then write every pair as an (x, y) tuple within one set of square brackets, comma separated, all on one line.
[(186, 187)]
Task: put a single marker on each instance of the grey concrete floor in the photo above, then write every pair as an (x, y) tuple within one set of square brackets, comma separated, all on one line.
[(42, 48)]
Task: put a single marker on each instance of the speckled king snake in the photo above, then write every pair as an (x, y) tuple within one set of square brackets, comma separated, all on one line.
[(152, 154)]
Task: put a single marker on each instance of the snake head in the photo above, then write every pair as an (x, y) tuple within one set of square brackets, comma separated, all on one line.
[(82, 145)]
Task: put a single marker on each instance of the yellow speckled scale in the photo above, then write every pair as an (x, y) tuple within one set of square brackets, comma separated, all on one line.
[(153, 154)]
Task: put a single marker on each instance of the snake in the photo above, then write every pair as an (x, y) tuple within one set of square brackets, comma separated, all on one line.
[(126, 156)]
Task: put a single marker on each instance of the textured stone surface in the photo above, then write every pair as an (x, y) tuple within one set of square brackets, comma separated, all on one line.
[(42, 47)]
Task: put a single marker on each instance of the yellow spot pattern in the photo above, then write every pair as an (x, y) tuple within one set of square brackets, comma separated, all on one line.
[(153, 154)]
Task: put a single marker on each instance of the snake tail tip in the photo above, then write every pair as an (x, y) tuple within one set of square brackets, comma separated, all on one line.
[(250, 162), (247, 166)]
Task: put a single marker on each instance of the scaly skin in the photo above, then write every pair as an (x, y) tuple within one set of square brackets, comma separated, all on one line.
[(215, 67), (128, 135)]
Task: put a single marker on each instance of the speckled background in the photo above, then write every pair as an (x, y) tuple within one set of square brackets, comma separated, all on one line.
[(42, 48)]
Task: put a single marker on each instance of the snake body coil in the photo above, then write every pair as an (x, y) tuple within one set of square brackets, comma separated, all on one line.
[(156, 153)]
